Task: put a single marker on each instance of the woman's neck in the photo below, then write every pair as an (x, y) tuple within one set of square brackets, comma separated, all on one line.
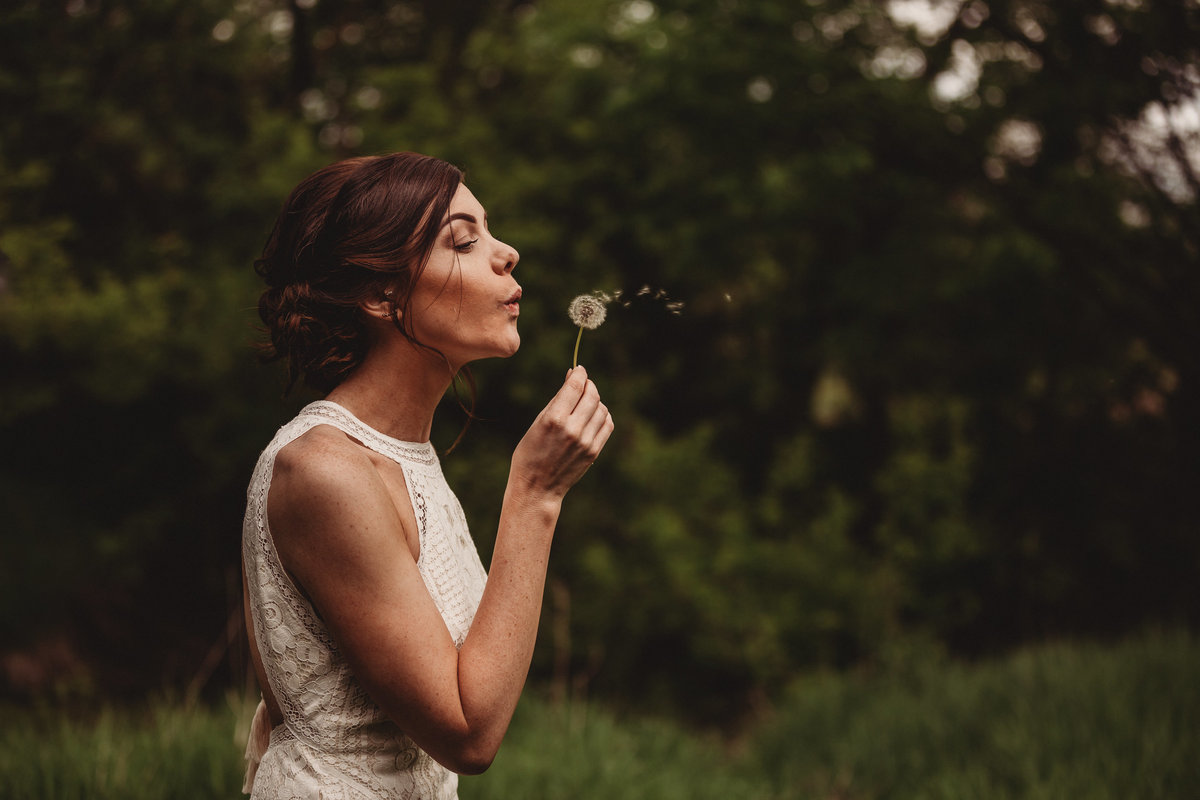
[(396, 390)]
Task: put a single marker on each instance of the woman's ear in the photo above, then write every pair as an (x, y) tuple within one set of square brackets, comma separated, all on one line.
[(384, 307)]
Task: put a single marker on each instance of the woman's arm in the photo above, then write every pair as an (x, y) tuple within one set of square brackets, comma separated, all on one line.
[(343, 538)]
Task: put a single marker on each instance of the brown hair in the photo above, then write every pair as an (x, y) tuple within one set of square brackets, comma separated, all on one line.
[(350, 233)]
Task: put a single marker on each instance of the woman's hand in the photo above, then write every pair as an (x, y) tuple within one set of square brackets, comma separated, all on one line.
[(565, 439)]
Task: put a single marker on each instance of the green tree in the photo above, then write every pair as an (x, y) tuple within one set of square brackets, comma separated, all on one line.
[(932, 373)]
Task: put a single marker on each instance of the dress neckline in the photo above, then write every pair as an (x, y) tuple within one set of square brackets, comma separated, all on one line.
[(423, 452)]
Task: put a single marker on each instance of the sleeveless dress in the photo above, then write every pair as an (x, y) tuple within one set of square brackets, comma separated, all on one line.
[(335, 742)]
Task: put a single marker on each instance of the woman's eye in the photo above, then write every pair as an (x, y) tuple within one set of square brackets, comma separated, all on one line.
[(466, 247)]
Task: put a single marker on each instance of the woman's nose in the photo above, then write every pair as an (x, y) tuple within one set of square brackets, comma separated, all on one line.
[(506, 258)]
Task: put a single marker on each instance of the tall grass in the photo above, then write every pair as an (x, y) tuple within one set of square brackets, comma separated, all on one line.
[(1058, 721), (569, 752), (161, 752)]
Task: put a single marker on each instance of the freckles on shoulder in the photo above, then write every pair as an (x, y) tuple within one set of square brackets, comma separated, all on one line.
[(317, 456), (319, 475)]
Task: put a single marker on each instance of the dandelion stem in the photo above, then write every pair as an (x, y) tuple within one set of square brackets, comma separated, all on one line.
[(575, 358)]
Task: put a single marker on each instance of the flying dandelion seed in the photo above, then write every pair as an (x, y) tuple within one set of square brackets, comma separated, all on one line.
[(653, 293)]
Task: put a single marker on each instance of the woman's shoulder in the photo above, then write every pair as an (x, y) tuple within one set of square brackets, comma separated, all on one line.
[(329, 508), (322, 463)]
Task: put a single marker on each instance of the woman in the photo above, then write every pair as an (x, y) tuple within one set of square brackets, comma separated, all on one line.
[(389, 661)]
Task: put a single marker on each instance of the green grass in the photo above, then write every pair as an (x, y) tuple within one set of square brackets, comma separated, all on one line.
[(161, 752), (1059, 721), (582, 752)]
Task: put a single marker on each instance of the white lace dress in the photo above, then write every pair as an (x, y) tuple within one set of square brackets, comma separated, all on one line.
[(334, 741)]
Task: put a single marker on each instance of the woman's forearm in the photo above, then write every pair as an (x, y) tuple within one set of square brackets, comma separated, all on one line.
[(494, 660)]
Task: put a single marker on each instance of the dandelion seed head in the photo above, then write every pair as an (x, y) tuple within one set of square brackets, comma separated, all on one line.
[(587, 311)]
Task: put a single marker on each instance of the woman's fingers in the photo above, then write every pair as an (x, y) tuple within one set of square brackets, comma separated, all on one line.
[(569, 395), (589, 401), (567, 436), (574, 404), (597, 429)]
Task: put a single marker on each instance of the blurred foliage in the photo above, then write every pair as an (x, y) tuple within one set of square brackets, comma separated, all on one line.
[(935, 374)]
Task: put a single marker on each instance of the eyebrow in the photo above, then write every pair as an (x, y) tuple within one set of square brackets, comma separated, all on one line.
[(460, 215)]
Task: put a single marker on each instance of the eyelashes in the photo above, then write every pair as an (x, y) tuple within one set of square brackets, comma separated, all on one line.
[(466, 247)]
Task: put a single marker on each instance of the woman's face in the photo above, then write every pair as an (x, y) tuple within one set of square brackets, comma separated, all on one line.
[(466, 302)]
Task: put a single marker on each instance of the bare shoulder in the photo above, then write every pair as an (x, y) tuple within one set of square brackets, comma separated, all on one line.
[(321, 458), (325, 489)]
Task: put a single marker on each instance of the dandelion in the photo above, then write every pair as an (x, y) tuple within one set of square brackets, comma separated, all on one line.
[(586, 311)]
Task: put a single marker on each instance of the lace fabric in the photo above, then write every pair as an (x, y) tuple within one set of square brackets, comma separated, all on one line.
[(335, 742)]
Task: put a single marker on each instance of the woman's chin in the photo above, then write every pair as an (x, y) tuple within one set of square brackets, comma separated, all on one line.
[(512, 345), (503, 349)]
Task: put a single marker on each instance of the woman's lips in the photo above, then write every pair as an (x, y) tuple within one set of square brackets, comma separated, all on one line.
[(513, 302)]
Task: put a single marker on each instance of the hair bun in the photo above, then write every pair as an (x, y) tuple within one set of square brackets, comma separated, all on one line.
[(345, 233)]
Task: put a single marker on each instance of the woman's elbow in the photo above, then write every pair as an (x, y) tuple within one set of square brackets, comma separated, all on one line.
[(469, 757), (473, 765)]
